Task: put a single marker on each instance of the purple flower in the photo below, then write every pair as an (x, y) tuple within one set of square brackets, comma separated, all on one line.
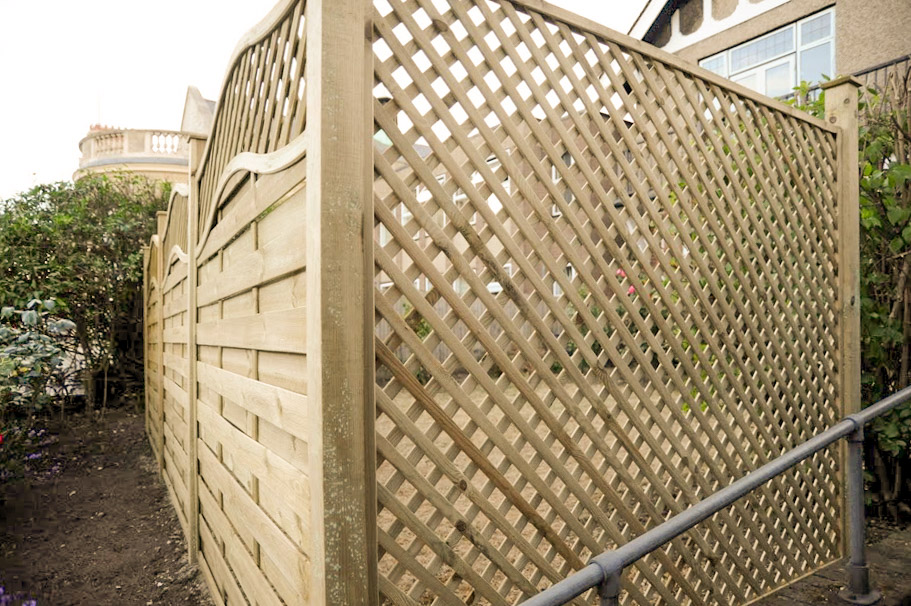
[(33, 456)]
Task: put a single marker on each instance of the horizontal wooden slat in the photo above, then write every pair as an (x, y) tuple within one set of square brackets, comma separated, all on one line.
[(175, 307), (177, 504), (175, 334), (260, 266), (240, 508), (283, 408), (241, 561), (281, 331), (177, 273), (175, 391), (260, 461), (175, 363), (211, 552)]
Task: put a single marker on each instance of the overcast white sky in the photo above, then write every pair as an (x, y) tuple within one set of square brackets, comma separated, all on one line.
[(65, 65)]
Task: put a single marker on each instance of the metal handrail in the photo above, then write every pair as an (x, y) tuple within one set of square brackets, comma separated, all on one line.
[(603, 571)]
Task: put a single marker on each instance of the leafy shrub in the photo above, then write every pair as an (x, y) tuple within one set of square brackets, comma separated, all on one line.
[(81, 243), (30, 360), (885, 258), (29, 356)]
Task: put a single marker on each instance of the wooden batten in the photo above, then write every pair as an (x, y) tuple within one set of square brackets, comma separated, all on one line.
[(161, 227), (196, 148), (145, 334), (841, 112), (340, 271)]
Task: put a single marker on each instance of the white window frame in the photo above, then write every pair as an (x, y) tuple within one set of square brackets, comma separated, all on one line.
[(460, 286), (570, 273), (557, 179), (494, 287), (798, 47), (422, 195), (805, 47), (761, 69), (385, 235)]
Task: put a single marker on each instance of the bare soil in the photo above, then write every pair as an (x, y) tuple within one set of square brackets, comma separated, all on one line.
[(92, 523)]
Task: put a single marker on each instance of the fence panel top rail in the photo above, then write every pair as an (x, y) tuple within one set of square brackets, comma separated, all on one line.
[(584, 24)]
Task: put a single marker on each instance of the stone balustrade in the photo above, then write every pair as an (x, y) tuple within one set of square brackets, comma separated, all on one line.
[(159, 154)]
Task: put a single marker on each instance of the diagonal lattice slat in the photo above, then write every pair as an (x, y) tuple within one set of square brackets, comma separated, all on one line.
[(605, 289)]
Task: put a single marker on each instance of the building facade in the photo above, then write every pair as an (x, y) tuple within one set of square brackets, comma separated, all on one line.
[(157, 154), (773, 45)]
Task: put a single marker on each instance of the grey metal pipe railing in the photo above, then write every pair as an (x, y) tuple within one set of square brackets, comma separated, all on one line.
[(604, 570)]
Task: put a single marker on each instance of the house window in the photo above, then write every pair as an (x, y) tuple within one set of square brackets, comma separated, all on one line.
[(460, 195), (570, 272), (777, 62), (495, 287), (385, 236), (460, 285), (492, 201), (476, 180), (557, 178), (422, 195)]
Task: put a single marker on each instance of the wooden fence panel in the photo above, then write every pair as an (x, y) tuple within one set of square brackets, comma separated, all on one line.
[(252, 407), (605, 285), (606, 288), (175, 356), (153, 339)]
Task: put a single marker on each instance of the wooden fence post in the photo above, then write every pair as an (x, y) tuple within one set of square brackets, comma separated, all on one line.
[(841, 111), (340, 301), (145, 335), (162, 226), (197, 145)]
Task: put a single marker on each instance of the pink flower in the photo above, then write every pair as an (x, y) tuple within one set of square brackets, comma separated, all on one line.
[(631, 290), (621, 273)]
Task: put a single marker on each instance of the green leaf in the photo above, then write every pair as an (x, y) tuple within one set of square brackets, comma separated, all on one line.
[(900, 173), (896, 245), (898, 215)]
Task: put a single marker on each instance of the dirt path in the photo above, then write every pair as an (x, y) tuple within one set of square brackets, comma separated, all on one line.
[(92, 524), (889, 558)]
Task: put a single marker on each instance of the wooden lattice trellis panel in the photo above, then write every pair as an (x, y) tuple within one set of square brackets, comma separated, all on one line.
[(605, 288)]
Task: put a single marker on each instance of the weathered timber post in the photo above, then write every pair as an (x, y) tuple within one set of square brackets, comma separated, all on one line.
[(145, 337), (841, 111), (161, 227), (340, 360), (197, 145)]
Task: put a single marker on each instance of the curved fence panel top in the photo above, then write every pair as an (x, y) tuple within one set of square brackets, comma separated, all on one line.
[(175, 236), (261, 107), (606, 287)]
